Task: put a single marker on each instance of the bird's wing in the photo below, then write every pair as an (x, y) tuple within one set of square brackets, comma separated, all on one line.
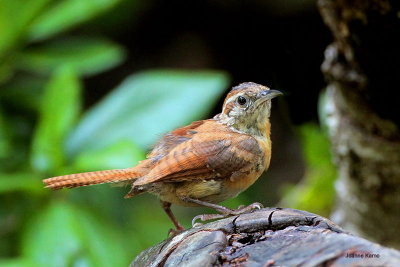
[(206, 155), (173, 139)]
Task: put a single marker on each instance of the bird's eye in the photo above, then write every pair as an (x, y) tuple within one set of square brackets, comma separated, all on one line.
[(241, 100)]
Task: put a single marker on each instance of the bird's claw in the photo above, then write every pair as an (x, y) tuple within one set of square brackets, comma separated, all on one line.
[(225, 213), (175, 232), (195, 225), (243, 209), (206, 217), (255, 205)]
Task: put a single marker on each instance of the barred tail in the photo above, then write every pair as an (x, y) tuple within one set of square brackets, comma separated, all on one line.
[(92, 178)]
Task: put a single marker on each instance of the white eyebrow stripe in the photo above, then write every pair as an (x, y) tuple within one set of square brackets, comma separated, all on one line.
[(234, 96), (230, 100)]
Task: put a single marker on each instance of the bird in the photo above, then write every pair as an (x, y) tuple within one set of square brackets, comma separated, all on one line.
[(201, 164)]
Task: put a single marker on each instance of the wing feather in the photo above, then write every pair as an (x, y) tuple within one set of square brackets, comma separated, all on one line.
[(174, 138), (206, 156)]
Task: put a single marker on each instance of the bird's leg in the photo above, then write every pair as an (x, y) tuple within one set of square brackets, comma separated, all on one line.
[(225, 212), (167, 208)]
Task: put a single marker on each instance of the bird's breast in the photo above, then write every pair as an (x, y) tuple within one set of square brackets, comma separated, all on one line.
[(241, 180)]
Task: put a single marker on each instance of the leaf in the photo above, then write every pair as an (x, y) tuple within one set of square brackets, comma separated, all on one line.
[(53, 239), (17, 262), (58, 113), (147, 105), (15, 17), (6, 69), (103, 243), (87, 56), (63, 235), (122, 154), (316, 191), (27, 182), (63, 15), (24, 91), (5, 142)]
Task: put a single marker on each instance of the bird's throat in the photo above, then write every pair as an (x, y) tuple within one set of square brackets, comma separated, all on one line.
[(259, 128), (256, 126)]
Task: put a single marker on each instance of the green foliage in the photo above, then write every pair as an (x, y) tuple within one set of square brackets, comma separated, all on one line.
[(17, 262), (15, 18), (65, 235), (25, 182), (316, 192), (58, 113), (120, 154), (5, 144), (63, 15), (145, 103), (62, 233), (45, 132), (22, 22), (87, 56)]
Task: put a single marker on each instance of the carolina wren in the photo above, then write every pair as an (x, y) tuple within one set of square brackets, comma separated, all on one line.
[(203, 163)]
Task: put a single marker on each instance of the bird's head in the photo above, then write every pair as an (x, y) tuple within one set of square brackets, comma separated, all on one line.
[(247, 108)]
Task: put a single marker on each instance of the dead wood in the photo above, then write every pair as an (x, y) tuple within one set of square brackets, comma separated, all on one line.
[(362, 114), (268, 237)]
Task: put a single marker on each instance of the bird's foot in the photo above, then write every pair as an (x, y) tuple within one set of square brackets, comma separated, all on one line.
[(244, 209), (225, 212), (207, 217)]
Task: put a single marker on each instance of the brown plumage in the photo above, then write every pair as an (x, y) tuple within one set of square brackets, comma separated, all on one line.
[(91, 178), (203, 163)]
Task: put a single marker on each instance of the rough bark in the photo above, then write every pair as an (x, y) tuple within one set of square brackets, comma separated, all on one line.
[(268, 237), (362, 68)]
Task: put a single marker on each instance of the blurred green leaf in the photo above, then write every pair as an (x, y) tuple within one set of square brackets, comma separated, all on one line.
[(149, 227), (17, 262), (24, 92), (152, 227), (147, 105), (6, 69), (15, 16), (103, 242), (63, 235), (5, 142), (27, 182), (53, 239), (122, 154), (63, 15), (58, 113), (87, 56), (316, 191)]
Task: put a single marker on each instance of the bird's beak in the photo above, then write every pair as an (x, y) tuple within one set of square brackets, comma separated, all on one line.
[(267, 95)]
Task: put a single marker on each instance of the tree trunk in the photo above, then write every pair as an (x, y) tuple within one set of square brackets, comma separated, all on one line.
[(363, 114), (268, 237)]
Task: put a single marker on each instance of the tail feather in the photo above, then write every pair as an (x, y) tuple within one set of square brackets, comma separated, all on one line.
[(92, 178)]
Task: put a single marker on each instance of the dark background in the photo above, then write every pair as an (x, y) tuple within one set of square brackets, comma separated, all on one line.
[(276, 43)]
